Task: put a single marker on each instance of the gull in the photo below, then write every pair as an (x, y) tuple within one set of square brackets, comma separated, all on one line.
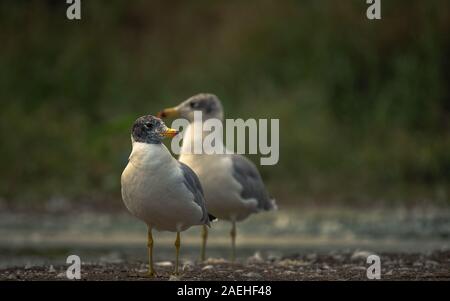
[(159, 190), (232, 184)]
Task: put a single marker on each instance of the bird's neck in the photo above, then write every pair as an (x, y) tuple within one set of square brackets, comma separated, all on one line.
[(195, 135), (146, 155)]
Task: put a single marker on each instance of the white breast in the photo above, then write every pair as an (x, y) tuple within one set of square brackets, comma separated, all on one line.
[(153, 189), (222, 190)]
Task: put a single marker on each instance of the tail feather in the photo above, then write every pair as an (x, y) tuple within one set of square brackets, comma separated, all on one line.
[(212, 218)]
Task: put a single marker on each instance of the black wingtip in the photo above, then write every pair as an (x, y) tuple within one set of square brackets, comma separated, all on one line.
[(212, 218)]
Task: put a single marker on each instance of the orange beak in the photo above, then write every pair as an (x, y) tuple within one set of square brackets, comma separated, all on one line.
[(169, 112), (170, 133)]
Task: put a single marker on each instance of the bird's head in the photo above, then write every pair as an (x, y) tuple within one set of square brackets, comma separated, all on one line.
[(151, 130), (208, 104)]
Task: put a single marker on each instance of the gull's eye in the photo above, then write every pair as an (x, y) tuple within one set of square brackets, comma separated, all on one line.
[(148, 125), (194, 105)]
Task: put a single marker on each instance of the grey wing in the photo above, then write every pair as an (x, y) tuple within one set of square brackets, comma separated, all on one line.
[(246, 173), (193, 184)]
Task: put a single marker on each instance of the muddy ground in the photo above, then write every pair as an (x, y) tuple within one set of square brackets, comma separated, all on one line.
[(331, 266)]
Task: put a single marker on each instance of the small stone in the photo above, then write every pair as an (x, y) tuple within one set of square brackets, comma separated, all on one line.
[(28, 266), (431, 263), (51, 269), (358, 255), (256, 258), (164, 264), (174, 277), (12, 277), (338, 257), (207, 267), (61, 275), (252, 275), (188, 266), (215, 260), (289, 273), (290, 263)]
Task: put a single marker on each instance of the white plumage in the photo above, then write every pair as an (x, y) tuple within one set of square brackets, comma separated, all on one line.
[(153, 189), (222, 190), (232, 184), (159, 190)]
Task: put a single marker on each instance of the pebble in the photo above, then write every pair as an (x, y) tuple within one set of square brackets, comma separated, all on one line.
[(431, 263), (357, 255), (338, 257), (28, 266), (256, 258), (164, 264), (215, 260), (252, 275), (51, 269), (207, 267), (61, 275), (290, 262)]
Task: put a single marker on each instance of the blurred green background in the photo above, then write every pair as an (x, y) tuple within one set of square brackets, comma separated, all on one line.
[(364, 106)]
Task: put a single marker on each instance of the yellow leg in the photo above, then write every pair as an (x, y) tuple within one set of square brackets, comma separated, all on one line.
[(177, 248), (233, 241), (151, 271), (204, 239)]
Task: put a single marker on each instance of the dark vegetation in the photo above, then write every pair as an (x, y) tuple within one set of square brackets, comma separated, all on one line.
[(364, 106)]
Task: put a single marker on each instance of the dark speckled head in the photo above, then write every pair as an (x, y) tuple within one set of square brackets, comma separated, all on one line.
[(151, 130)]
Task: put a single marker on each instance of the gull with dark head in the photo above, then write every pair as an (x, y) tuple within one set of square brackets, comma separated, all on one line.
[(156, 188), (232, 184)]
